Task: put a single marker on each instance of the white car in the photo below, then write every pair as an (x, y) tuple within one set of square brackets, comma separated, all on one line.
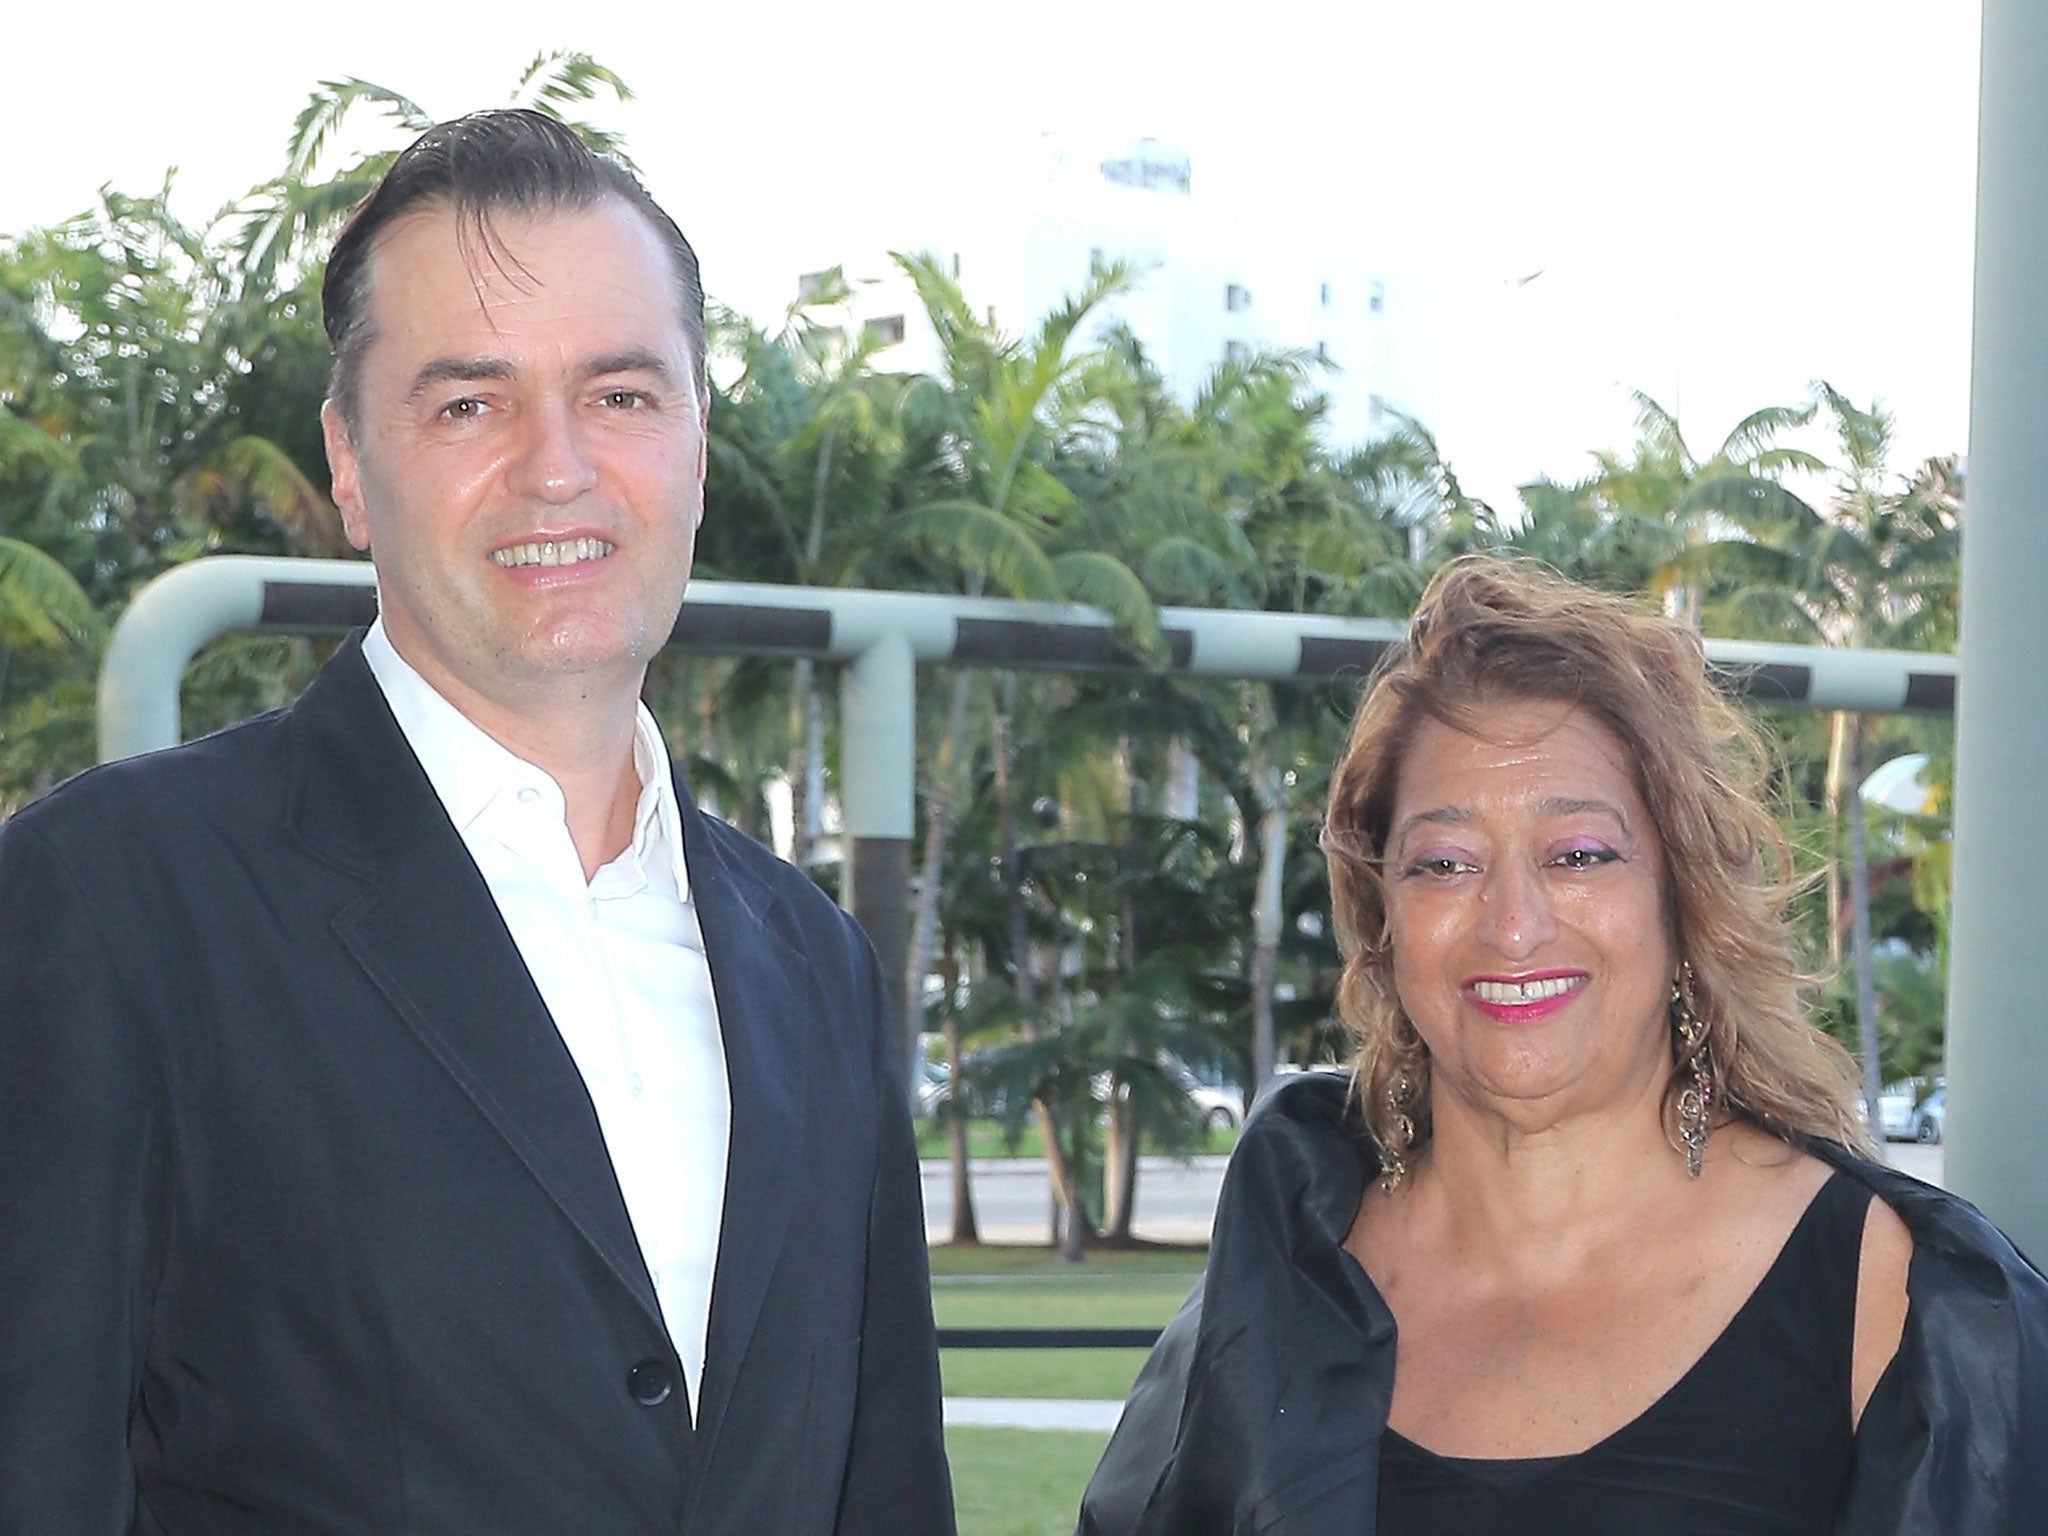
[(1221, 1109)]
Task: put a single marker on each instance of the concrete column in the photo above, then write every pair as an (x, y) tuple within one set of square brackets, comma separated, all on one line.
[(877, 792), (1997, 1032)]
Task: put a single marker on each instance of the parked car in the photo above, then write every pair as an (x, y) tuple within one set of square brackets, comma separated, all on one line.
[(1895, 1105), (1931, 1118), (1220, 1105), (930, 1089)]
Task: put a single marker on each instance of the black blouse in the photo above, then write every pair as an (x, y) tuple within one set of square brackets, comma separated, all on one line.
[(1754, 1439)]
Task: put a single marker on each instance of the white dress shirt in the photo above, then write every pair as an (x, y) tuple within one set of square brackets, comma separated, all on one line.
[(619, 961)]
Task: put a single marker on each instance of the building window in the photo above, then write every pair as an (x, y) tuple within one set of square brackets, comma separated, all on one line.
[(885, 330), (812, 284), (1377, 302), (1326, 296), (1236, 352), (1237, 298)]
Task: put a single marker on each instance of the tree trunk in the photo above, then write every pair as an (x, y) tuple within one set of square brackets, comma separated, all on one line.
[(1859, 927), (1183, 781), (1267, 907), (806, 763), (1831, 802), (965, 1228), (938, 824), (1074, 1226), (1067, 1218), (1119, 1167)]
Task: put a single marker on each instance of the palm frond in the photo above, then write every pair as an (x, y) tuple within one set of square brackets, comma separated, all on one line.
[(330, 105), (983, 541), (42, 606)]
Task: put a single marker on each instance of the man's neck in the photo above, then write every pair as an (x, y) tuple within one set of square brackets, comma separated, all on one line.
[(589, 753), (577, 728)]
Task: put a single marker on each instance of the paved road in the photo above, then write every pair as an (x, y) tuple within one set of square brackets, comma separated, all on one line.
[(1176, 1200)]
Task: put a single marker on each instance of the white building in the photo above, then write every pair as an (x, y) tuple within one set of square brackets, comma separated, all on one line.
[(1214, 286)]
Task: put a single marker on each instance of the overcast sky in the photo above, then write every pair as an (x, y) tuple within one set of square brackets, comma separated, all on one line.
[(1724, 199)]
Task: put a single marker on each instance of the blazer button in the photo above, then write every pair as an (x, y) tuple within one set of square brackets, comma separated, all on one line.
[(650, 1382)]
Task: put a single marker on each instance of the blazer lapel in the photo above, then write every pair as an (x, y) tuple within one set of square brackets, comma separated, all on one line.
[(427, 933), (759, 1022)]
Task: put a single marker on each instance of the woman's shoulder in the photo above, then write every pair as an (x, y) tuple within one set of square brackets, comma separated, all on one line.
[(1304, 1157), (1955, 1425)]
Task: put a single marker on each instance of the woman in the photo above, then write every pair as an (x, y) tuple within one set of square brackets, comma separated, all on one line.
[(1591, 1238)]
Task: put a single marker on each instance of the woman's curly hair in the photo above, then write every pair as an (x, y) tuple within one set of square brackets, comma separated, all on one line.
[(1490, 629)]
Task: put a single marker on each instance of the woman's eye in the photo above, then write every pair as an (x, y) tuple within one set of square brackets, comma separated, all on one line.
[(1585, 858), (1439, 866)]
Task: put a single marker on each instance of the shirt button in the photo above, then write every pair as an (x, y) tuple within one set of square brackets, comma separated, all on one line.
[(529, 796), (633, 1082), (650, 1382)]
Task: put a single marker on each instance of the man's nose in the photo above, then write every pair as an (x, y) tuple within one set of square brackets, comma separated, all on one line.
[(1516, 920), (554, 465)]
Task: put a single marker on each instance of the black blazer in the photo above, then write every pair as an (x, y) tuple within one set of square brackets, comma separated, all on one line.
[(1260, 1410), (306, 1221)]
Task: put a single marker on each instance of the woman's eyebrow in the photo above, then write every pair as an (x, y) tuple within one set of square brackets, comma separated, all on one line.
[(1560, 805), (1441, 816)]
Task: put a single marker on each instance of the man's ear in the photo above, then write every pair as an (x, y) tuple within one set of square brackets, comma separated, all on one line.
[(347, 472), (703, 450)]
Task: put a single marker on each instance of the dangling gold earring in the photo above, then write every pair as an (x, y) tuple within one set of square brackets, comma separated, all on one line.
[(1695, 1059), (1400, 1096)]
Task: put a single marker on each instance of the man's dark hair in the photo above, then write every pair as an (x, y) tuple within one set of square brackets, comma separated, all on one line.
[(507, 160)]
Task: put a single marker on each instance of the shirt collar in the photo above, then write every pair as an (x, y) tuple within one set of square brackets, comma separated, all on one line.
[(469, 769)]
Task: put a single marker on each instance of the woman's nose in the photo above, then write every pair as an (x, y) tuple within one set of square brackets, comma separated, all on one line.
[(1517, 920)]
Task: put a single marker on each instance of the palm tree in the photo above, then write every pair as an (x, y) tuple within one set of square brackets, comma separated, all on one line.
[(289, 218), (1655, 521), (812, 451), (1875, 565)]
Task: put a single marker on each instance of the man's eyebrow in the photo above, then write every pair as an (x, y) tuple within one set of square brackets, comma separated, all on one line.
[(457, 370), (632, 360)]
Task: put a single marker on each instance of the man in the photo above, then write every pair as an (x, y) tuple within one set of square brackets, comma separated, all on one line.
[(415, 1116)]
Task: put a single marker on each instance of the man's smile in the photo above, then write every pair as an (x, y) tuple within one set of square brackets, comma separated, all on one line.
[(552, 552)]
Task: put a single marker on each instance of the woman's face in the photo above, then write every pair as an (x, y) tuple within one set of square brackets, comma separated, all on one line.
[(1525, 901)]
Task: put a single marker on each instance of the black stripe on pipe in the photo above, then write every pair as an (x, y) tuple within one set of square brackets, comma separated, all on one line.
[(1331, 656), (1038, 643), (1769, 682), (1934, 692), (316, 608), (1048, 1338), (738, 627)]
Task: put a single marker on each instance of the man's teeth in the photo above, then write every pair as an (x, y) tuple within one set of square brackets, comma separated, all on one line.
[(1523, 991), (552, 552)]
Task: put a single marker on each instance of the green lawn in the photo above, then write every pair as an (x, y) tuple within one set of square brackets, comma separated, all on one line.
[(1019, 1287), (1020, 1482), (1028, 1482)]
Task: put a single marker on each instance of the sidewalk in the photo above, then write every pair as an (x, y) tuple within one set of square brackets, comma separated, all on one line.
[(1082, 1413)]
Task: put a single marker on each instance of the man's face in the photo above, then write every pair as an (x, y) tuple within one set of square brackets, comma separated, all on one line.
[(527, 460)]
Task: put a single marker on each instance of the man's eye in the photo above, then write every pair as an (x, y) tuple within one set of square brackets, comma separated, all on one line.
[(465, 409), (624, 399)]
